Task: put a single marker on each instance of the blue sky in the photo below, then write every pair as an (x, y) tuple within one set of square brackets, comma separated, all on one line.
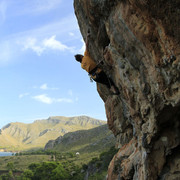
[(38, 74)]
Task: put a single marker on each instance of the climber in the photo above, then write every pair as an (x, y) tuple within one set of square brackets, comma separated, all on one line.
[(96, 73)]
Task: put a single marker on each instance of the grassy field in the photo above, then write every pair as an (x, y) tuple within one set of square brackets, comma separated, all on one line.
[(94, 164), (22, 162)]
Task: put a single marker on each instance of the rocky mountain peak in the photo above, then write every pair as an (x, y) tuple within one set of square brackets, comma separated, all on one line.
[(20, 136), (139, 45)]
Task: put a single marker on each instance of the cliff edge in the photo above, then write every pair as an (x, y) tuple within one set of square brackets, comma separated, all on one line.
[(139, 44)]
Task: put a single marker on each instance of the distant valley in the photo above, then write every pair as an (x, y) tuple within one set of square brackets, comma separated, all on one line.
[(19, 136)]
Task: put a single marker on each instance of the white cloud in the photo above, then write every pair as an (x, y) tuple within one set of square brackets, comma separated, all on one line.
[(43, 98), (23, 95), (52, 43), (31, 43), (40, 40), (64, 100), (48, 100), (39, 46), (71, 34), (45, 87)]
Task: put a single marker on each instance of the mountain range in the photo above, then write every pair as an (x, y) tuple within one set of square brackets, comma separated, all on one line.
[(20, 136)]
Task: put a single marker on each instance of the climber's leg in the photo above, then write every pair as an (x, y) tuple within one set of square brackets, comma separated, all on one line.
[(103, 79)]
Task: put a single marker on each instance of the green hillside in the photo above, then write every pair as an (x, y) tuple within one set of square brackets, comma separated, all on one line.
[(20, 136), (84, 141)]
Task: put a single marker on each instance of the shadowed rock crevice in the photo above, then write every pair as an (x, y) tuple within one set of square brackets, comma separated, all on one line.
[(138, 42), (170, 169)]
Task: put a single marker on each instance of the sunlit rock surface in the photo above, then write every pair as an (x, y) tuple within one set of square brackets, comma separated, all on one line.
[(138, 42)]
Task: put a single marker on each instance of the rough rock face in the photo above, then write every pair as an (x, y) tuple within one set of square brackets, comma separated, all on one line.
[(139, 44)]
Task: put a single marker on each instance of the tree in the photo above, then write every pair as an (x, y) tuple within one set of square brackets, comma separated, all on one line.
[(34, 166), (60, 173), (27, 175), (10, 166), (10, 175), (44, 171)]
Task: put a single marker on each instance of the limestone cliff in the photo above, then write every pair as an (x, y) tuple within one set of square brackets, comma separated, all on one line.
[(139, 44)]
